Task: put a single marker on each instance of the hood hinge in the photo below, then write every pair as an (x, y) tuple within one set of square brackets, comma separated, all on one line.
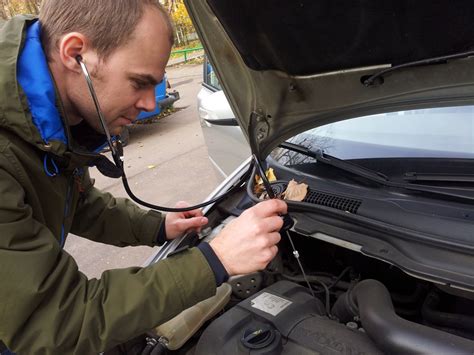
[(258, 129)]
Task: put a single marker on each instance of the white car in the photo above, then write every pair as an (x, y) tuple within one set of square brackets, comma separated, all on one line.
[(226, 144)]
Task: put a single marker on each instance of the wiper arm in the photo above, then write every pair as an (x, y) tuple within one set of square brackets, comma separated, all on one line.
[(323, 158), (355, 169), (375, 176), (438, 177)]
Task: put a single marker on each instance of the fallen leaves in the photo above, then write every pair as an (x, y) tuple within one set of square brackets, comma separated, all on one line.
[(259, 187), (294, 191)]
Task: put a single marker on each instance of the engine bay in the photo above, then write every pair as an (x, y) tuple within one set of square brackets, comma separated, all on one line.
[(273, 312), (282, 318), (361, 304), (358, 302)]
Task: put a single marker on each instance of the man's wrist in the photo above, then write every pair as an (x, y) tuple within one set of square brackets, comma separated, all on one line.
[(220, 273), (161, 238)]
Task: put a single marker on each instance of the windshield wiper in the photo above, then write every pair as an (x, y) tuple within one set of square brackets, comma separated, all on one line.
[(438, 177), (375, 176), (323, 158)]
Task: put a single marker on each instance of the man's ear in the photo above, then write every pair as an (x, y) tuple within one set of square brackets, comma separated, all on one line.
[(70, 46)]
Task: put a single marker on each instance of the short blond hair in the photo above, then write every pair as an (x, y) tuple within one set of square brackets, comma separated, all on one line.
[(108, 24)]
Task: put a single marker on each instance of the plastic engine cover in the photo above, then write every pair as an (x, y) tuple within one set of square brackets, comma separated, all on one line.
[(281, 319)]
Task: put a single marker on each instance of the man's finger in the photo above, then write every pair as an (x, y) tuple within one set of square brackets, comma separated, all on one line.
[(274, 238), (182, 204), (191, 223), (192, 213), (273, 223), (270, 207)]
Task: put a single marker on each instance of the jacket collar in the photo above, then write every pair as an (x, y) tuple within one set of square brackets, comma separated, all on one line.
[(35, 79)]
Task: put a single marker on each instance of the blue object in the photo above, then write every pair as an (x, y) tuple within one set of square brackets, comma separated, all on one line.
[(35, 80), (163, 100), (50, 172)]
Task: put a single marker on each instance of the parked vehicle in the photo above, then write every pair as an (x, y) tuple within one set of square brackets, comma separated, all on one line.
[(371, 105), (164, 98), (225, 142)]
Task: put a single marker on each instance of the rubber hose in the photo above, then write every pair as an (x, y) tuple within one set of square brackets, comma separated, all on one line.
[(159, 349), (393, 334), (449, 320)]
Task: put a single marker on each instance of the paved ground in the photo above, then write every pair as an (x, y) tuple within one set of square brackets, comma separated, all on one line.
[(166, 162)]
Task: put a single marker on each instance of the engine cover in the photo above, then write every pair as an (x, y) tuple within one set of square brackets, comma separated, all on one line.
[(281, 319)]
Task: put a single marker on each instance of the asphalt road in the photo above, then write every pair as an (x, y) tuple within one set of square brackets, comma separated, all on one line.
[(166, 162)]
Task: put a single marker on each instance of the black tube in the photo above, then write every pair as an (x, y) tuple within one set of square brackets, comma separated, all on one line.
[(449, 320), (160, 349), (458, 332), (150, 344), (393, 334), (133, 197), (147, 350), (415, 297)]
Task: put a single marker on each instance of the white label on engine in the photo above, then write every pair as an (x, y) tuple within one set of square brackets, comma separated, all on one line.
[(269, 303)]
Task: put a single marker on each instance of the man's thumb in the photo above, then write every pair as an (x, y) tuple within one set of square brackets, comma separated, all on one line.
[(194, 222)]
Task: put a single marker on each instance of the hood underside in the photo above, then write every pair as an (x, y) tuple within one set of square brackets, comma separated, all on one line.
[(287, 66)]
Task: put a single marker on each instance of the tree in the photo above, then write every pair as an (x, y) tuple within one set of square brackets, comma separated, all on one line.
[(184, 29), (3, 10), (170, 5), (183, 25), (10, 8)]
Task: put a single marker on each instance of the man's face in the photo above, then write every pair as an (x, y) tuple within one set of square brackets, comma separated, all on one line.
[(125, 82)]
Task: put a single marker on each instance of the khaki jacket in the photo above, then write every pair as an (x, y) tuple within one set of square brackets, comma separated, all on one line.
[(47, 306)]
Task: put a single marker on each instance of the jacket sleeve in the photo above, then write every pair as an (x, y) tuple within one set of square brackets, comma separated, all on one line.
[(117, 221), (48, 307)]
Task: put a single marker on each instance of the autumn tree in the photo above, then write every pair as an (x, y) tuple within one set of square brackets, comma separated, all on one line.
[(3, 10), (10, 8), (170, 5), (184, 29)]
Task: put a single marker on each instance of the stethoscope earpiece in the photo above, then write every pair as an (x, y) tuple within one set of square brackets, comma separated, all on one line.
[(79, 59)]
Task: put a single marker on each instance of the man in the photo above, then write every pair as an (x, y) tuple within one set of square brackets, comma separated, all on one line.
[(48, 133)]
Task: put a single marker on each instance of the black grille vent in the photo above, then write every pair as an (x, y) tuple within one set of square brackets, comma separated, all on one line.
[(333, 201), (323, 199)]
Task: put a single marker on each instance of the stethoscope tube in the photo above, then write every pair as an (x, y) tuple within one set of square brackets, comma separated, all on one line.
[(97, 105), (117, 154)]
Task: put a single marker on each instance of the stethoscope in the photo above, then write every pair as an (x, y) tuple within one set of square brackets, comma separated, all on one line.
[(117, 154), (116, 150)]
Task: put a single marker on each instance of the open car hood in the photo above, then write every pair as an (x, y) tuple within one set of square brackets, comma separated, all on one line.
[(288, 66)]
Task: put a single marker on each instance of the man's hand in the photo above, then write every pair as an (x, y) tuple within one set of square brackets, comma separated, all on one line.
[(248, 243), (178, 223)]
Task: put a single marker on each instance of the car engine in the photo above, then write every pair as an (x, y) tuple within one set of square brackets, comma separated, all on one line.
[(282, 318), (356, 304), (360, 305)]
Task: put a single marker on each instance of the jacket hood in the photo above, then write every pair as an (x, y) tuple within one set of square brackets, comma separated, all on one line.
[(16, 115), (288, 66)]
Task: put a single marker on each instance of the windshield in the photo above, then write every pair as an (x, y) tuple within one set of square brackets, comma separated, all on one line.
[(427, 133)]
